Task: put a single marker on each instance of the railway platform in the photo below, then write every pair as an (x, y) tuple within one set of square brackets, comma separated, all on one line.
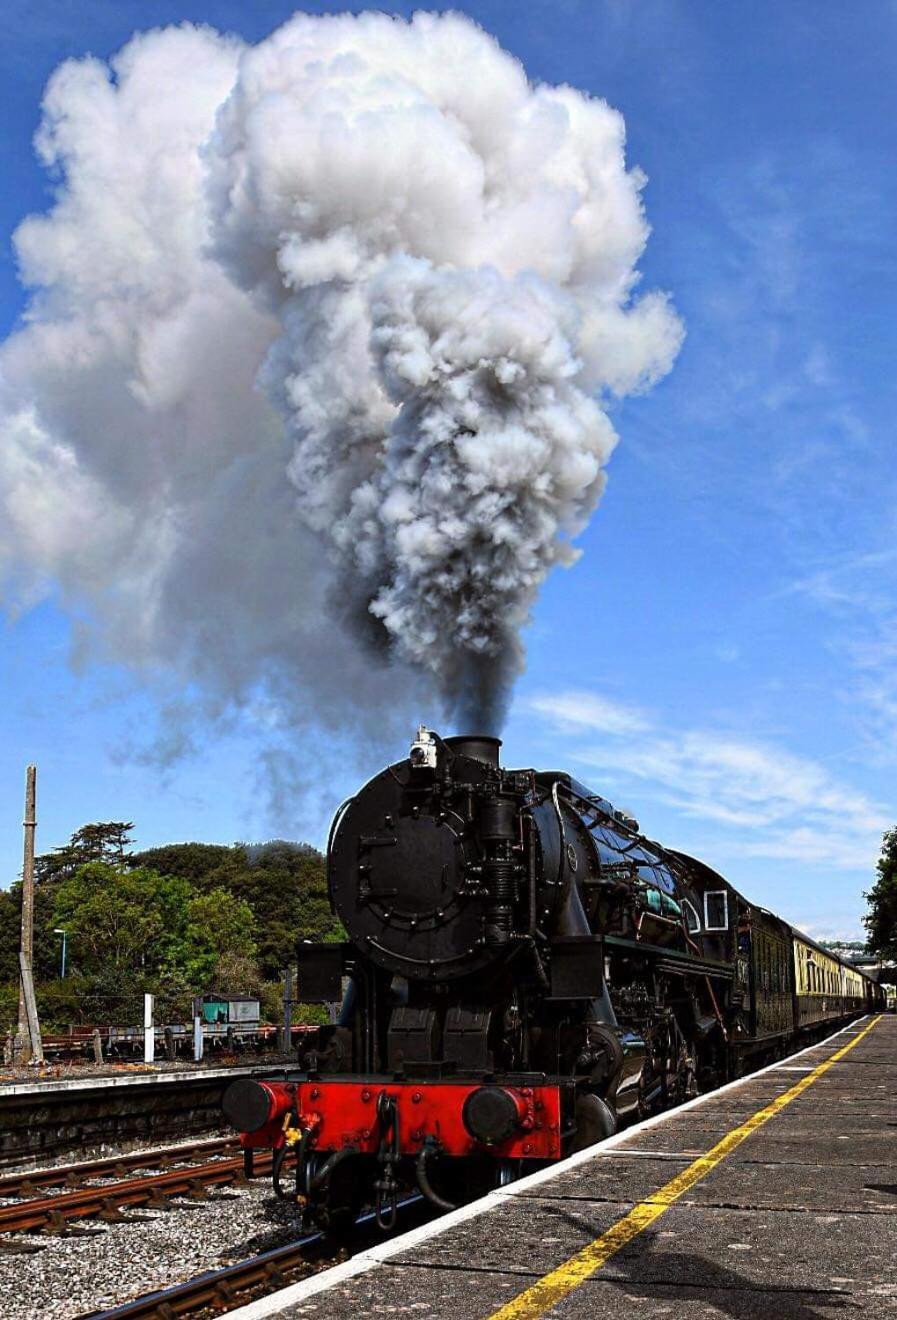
[(43, 1119), (775, 1196)]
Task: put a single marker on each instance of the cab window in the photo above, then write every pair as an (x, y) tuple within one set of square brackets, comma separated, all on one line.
[(692, 920), (716, 910)]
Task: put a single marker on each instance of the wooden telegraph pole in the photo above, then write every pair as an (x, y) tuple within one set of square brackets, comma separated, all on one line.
[(29, 1028)]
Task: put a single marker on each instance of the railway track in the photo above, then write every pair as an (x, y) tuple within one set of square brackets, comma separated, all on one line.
[(75, 1175), (54, 1213), (217, 1290)]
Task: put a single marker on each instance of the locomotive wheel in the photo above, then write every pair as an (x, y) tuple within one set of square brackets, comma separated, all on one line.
[(470, 1177), (508, 1171), (681, 1068)]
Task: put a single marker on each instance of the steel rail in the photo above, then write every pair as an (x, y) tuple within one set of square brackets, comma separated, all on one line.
[(219, 1287), (54, 1212), (74, 1175)]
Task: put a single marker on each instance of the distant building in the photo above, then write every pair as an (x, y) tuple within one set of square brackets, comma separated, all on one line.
[(230, 1010)]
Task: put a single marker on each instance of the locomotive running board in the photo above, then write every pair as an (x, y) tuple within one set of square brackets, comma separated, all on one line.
[(669, 960)]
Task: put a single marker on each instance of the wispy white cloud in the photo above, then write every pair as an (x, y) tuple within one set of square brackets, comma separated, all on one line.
[(576, 709), (855, 594), (853, 580), (873, 655), (769, 802)]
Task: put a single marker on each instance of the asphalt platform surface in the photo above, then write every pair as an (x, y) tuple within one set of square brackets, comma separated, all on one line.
[(793, 1217)]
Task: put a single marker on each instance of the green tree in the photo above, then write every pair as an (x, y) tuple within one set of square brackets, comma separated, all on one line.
[(10, 927), (235, 974), (881, 918), (218, 925), (286, 884), (102, 841), (122, 921), (283, 883), (46, 959), (173, 921), (203, 864)]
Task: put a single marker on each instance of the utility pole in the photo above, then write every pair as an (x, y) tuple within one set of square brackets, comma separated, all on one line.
[(286, 1043), (27, 1007)]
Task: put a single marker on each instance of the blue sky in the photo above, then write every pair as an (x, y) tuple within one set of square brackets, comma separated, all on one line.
[(723, 658)]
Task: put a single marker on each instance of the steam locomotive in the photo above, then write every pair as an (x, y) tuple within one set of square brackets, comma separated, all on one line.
[(524, 971)]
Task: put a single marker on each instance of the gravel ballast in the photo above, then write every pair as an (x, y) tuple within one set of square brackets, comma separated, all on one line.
[(98, 1265)]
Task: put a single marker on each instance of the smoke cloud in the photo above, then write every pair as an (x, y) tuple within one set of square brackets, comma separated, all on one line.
[(309, 396)]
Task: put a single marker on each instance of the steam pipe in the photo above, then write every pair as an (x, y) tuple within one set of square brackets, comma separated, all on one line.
[(531, 874), (427, 1151), (330, 1164)]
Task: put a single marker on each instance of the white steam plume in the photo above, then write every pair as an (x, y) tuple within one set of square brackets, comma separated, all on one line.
[(314, 360)]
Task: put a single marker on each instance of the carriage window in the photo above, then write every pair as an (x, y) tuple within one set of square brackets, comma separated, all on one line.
[(692, 920), (716, 910)]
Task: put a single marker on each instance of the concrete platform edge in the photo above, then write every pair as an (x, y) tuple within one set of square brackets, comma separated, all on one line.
[(130, 1079)]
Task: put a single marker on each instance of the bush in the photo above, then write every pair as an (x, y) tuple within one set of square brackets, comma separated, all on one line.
[(61, 1004)]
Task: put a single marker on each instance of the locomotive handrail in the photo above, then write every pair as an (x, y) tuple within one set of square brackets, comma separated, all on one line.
[(562, 834), (335, 823)]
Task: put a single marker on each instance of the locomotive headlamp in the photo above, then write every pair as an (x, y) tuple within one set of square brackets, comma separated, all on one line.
[(492, 1114), (423, 750)]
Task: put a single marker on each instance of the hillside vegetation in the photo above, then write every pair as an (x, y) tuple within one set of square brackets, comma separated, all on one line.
[(174, 921)]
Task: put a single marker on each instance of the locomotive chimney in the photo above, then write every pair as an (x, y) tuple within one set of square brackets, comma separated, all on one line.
[(480, 746)]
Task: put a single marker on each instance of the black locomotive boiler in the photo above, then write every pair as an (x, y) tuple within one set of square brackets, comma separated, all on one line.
[(523, 971)]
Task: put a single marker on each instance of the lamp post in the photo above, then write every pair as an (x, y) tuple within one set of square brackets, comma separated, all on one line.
[(57, 930)]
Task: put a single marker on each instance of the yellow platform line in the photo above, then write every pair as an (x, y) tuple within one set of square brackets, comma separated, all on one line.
[(557, 1285)]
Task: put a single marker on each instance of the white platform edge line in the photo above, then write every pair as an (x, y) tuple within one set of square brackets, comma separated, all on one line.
[(367, 1260)]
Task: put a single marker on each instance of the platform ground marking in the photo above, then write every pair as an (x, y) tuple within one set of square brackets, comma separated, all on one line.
[(559, 1283)]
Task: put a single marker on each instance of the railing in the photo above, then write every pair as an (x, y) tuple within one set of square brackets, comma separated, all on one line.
[(173, 1040)]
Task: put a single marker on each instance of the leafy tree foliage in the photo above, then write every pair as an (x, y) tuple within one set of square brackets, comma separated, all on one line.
[(219, 927), (881, 919), (105, 841), (196, 862), (173, 921), (10, 926), (283, 884), (47, 944), (118, 920)]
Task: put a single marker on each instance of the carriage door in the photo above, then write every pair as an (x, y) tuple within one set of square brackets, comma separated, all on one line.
[(744, 969)]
